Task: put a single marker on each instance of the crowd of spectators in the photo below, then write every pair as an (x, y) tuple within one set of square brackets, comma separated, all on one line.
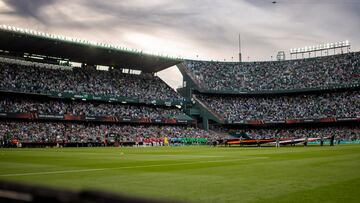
[(345, 133), (18, 75), (316, 72), (84, 133), (273, 108), (56, 107)]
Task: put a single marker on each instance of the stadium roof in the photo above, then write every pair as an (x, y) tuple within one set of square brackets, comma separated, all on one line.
[(28, 41)]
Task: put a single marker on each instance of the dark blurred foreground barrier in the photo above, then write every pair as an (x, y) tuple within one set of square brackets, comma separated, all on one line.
[(21, 193)]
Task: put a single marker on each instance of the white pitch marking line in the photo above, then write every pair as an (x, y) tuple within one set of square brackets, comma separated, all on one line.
[(125, 167), (51, 172)]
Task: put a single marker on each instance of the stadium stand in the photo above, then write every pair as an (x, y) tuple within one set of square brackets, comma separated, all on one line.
[(60, 107), (316, 97), (345, 133), (318, 72), (279, 107), (91, 134), (45, 101), (18, 102), (55, 78)]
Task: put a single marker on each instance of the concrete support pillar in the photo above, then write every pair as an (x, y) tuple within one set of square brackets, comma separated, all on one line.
[(205, 123)]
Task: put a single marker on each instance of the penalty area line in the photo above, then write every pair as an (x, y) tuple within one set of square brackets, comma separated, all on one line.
[(125, 167)]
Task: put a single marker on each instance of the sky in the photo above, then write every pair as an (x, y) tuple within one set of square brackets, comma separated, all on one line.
[(193, 29)]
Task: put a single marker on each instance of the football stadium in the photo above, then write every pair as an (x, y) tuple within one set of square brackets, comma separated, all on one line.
[(86, 121)]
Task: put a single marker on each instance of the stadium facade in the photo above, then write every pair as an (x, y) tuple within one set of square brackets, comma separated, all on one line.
[(47, 101), (308, 97)]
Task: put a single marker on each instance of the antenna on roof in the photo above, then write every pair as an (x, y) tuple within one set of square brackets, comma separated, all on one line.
[(239, 47)]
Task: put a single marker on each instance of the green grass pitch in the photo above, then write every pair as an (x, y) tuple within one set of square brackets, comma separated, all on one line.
[(195, 174)]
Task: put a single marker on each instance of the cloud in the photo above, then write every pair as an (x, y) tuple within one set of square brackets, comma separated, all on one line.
[(28, 9), (208, 28)]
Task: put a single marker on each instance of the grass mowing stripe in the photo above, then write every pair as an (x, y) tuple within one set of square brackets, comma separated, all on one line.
[(125, 167)]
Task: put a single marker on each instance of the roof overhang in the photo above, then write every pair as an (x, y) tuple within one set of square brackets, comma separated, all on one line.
[(80, 51)]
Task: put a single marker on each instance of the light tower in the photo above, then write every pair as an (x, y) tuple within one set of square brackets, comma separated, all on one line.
[(239, 48)]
